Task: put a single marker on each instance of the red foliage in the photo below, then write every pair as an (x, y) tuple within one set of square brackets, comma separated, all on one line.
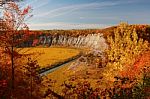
[(26, 10), (134, 71), (35, 42)]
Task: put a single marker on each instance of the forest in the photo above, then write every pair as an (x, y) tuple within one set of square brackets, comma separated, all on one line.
[(109, 63)]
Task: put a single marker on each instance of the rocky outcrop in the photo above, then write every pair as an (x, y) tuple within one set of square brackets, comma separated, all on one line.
[(92, 41)]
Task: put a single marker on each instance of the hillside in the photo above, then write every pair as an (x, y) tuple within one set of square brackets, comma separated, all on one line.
[(142, 29)]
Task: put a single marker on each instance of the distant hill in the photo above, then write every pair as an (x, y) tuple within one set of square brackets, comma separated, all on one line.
[(142, 30)]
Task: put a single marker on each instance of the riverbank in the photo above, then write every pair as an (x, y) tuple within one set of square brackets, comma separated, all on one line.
[(52, 67), (50, 57)]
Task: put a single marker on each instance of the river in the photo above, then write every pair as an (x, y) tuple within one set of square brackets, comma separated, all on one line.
[(57, 67)]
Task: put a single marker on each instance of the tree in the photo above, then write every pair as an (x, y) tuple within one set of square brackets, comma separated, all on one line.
[(125, 47), (14, 20), (14, 72), (127, 62)]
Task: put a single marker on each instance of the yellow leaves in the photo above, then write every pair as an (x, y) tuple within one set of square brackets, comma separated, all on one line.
[(124, 47), (134, 37)]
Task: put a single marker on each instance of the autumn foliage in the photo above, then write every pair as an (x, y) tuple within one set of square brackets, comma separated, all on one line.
[(126, 73), (121, 72), (18, 79)]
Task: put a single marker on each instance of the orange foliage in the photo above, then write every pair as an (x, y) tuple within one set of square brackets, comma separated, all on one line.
[(18, 80), (141, 62)]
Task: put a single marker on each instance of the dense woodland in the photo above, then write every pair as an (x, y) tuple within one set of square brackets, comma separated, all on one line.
[(125, 73)]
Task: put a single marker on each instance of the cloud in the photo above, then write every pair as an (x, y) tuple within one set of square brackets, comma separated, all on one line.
[(62, 25), (27, 2), (35, 4), (99, 17), (71, 8), (63, 10), (41, 4)]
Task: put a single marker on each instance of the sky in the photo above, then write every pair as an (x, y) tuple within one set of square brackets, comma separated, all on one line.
[(84, 14)]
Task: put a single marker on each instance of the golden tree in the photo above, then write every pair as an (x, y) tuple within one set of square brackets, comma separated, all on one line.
[(124, 47)]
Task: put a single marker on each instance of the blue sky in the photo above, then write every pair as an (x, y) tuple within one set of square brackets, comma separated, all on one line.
[(80, 14)]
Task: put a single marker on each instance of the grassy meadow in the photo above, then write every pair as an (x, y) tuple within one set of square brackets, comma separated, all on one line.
[(49, 56)]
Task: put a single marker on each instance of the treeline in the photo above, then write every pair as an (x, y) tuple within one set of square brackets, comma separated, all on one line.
[(143, 31)]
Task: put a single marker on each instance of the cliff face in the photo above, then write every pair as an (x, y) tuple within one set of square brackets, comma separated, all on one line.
[(91, 41)]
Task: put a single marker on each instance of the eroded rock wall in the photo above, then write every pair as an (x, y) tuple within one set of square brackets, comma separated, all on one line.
[(92, 41)]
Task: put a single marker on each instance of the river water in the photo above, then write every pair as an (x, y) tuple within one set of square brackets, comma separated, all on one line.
[(53, 69)]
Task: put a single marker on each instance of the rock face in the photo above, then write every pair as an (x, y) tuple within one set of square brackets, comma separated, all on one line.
[(92, 41)]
